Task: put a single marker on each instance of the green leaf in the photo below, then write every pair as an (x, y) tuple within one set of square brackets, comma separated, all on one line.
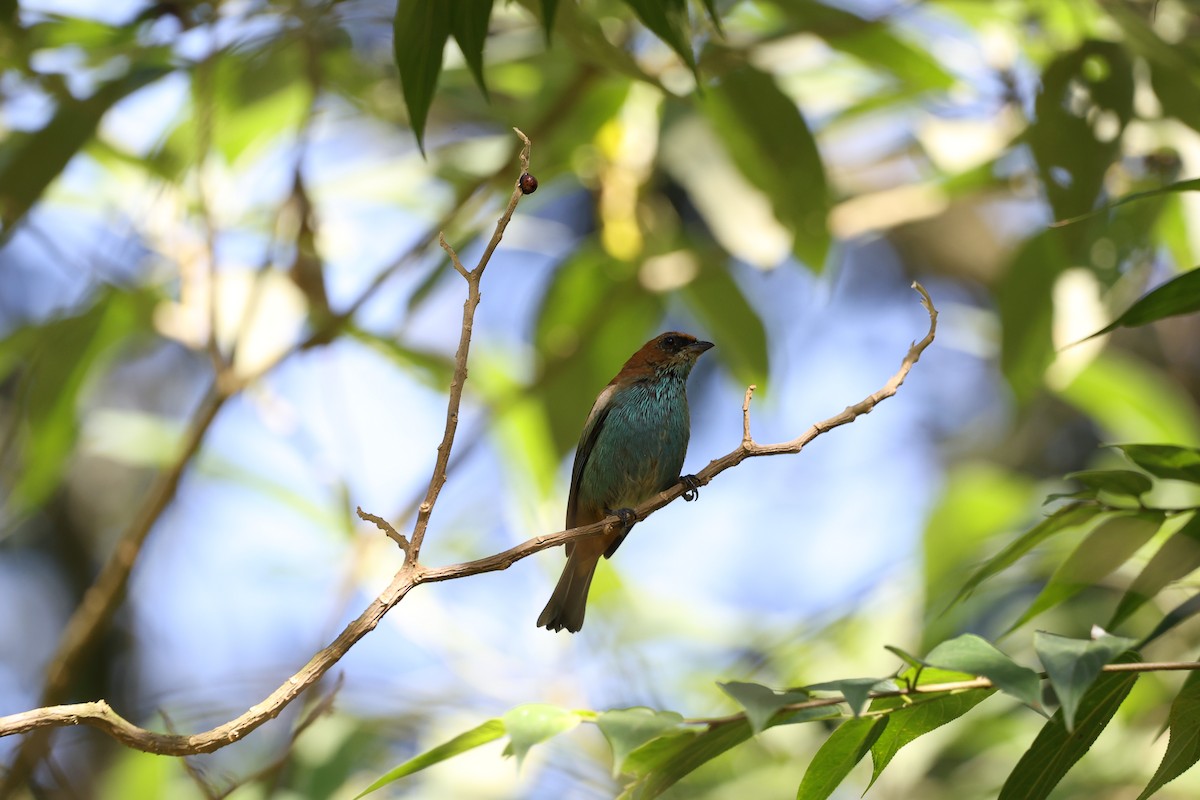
[(549, 8), (1066, 517), (419, 34), (627, 729), (909, 722), (1111, 544), (1091, 82), (29, 162), (469, 24), (489, 731), (976, 656), (761, 702), (1180, 295), (1165, 460), (1056, 749), (838, 755), (534, 723), (1177, 557), (769, 141), (857, 691), (1183, 748), (1024, 299), (668, 20), (653, 754), (55, 362), (715, 297), (1073, 665), (1192, 185), (1115, 481), (698, 751), (1181, 613)]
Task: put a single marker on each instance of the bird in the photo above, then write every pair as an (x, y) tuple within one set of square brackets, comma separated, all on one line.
[(631, 448)]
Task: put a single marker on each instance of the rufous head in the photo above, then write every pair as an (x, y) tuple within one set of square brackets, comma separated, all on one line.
[(668, 352)]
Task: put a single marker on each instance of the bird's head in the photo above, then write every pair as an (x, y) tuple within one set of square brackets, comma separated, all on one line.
[(672, 352)]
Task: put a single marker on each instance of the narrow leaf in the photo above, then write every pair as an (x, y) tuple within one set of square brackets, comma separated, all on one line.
[(1115, 481), (976, 656), (627, 729), (535, 723), (549, 9), (29, 162), (489, 731), (1177, 557), (668, 20), (1192, 185), (469, 24), (838, 755), (761, 702), (1056, 749), (697, 752), (1066, 517), (1181, 613), (1165, 460), (419, 34), (1074, 664), (1111, 544), (717, 299), (1180, 295), (1183, 748), (909, 722)]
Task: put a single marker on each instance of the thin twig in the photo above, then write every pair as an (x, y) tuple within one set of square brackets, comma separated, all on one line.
[(386, 527)]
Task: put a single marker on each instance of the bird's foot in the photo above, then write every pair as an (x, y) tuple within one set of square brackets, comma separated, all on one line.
[(628, 516), (693, 487)]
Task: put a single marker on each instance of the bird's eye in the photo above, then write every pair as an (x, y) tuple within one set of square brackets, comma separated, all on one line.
[(671, 343)]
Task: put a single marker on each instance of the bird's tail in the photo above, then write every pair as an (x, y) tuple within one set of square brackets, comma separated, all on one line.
[(569, 601)]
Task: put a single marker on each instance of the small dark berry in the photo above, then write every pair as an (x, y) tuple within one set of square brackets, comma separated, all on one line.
[(528, 183)]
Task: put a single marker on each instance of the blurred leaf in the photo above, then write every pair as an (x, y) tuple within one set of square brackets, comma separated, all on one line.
[(469, 24), (1177, 557), (489, 731), (1082, 90), (627, 729), (1180, 295), (56, 360), (29, 162), (534, 723), (976, 656), (1181, 613), (325, 514), (1115, 481), (135, 774), (760, 702), (668, 20), (1072, 665), (1024, 298), (1108, 546), (1134, 401), (838, 755), (419, 34), (1166, 460), (715, 297), (653, 754), (768, 139), (549, 8), (1064, 518), (698, 751), (1183, 748), (1192, 185), (432, 369), (857, 691), (1056, 749), (911, 721)]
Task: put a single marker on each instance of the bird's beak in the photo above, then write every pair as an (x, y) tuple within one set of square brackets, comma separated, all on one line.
[(700, 347)]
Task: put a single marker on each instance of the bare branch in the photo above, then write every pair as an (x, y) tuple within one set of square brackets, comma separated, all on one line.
[(384, 526)]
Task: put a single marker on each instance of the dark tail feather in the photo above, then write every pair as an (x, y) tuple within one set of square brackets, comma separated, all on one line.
[(569, 601)]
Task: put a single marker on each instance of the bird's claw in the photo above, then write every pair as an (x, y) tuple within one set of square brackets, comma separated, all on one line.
[(627, 515), (693, 488)]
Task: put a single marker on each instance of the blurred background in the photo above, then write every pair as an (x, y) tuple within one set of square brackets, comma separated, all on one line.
[(185, 185)]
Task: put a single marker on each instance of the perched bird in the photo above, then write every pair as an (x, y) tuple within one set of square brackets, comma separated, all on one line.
[(631, 448)]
